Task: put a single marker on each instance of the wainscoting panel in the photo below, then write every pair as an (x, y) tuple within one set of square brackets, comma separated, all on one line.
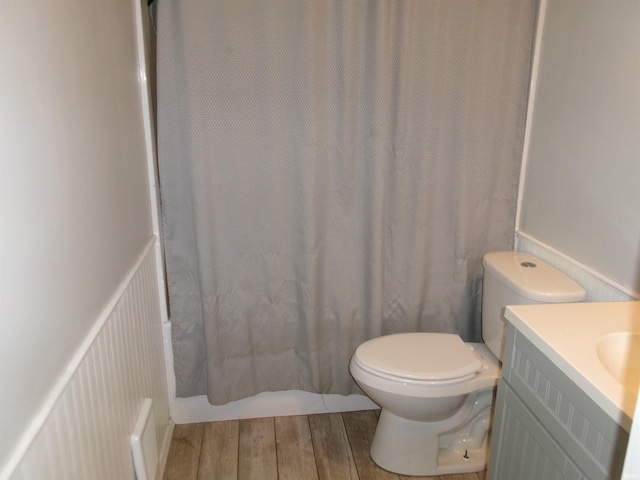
[(85, 430)]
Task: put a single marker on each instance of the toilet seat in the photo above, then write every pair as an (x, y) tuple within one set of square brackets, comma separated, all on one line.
[(434, 358)]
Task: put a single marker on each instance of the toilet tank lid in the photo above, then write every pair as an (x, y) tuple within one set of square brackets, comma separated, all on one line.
[(532, 278)]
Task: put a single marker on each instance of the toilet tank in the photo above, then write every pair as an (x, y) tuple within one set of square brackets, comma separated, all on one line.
[(517, 278)]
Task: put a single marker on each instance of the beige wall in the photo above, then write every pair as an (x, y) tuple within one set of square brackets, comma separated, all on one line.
[(74, 187)]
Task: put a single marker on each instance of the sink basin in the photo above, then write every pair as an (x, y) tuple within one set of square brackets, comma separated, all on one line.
[(620, 356)]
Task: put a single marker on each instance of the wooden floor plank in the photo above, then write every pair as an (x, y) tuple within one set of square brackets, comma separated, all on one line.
[(257, 450), (219, 455), (294, 449), (360, 427), (331, 447), (265, 448), (184, 452)]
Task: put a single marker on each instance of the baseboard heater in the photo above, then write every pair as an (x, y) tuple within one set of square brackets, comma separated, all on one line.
[(143, 443)]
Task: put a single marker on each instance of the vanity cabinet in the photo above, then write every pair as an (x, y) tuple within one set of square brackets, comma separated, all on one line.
[(545, 426)]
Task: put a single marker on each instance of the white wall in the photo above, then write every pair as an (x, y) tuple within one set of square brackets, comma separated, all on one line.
[(581, 189), (74, 195)]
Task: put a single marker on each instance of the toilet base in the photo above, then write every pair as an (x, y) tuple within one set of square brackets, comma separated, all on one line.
[(455, 445)]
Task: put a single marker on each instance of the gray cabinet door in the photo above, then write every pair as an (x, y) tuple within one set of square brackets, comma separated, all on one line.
[(521, 448)]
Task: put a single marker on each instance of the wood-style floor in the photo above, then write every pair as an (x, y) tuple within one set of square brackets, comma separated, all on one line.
[(330, 446)]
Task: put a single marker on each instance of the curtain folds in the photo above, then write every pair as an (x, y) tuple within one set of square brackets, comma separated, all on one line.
[(331, 171)]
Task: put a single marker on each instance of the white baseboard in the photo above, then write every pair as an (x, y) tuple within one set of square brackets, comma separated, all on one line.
[(268, 404)]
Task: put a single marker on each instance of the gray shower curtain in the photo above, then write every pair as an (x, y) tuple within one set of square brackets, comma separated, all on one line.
[(331, 171)]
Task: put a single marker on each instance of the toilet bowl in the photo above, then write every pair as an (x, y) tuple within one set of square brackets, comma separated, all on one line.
[(436, 392), (435, 420)]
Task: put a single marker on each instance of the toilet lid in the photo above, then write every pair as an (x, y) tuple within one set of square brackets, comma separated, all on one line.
[(419, 356)]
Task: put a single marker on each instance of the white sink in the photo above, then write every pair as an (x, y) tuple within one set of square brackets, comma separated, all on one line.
[(620, 354), (597, 345)]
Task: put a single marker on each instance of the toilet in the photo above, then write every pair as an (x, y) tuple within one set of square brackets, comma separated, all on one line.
[(435, 391)]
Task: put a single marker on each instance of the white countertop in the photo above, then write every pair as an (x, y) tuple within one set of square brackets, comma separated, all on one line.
[(568, 334)]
